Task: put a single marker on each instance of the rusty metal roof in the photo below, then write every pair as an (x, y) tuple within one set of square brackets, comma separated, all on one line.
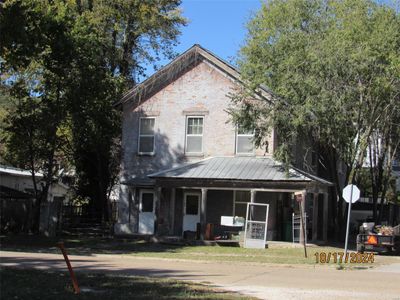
[(238, 168)]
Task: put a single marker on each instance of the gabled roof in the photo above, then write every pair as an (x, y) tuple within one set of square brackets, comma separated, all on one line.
[(240, 169), (181, 64)]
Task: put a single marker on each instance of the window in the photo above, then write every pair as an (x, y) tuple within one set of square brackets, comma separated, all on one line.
[(240, 199), (194, 135), (244, 141), (146, 136), (192, 205), (147, 202)]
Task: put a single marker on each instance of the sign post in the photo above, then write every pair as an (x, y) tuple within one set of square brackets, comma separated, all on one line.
[(351, 194), (71, 272)]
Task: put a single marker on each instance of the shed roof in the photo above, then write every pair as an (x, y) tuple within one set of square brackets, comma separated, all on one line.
[(238, 168), (17, 172)]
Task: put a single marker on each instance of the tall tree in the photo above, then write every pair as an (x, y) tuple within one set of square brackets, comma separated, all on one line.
[(65, 63), (383, 146), (334, 68), (36, 56), (118, 39), (137, 33)]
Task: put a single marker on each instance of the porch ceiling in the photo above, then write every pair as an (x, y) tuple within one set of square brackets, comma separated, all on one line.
[(261, 171)]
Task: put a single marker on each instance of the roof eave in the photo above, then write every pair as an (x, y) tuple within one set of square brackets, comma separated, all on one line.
[(221, 64), (233, 183)]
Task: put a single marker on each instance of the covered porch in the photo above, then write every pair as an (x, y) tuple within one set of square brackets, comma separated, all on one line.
[(194, 197)]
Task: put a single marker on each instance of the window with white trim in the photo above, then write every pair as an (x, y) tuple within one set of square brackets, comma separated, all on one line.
[(194, 134), (192, 202), (146, 136), (244, 141), (146, 201)]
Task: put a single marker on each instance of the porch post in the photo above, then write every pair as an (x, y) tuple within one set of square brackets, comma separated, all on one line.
[(157, 208), (172, 211), (252, 200), (302, 205), (325, 223), (253, 196), (203, 208), (315, 217)]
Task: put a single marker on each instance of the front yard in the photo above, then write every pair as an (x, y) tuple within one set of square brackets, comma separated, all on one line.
[(46, 285), (89, 246), (97, 283)]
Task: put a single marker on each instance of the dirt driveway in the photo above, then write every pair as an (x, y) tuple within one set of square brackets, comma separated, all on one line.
[(263, 281)]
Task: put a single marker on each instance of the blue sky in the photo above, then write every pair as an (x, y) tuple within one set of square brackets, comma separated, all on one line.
[(218, 25)]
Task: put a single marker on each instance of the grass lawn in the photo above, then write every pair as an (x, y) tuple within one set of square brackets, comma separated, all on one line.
[(88, 246), (45, 285), (276, 255)]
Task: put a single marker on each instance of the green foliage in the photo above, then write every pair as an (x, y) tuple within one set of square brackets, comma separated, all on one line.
[(134, 32), (33, 70), (64, 64), (334, 67), (333, 63)]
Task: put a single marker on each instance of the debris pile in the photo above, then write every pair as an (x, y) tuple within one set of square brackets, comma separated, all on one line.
[(384, 230)]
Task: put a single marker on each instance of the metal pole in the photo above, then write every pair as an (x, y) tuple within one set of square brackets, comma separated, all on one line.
[(302, 226), (266, 224), (293, 228), (245, 228), (348, 221)]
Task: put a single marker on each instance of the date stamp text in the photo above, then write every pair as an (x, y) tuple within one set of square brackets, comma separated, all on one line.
[(339, 257)]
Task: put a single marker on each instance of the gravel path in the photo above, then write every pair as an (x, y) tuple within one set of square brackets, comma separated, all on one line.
[(263, 281)]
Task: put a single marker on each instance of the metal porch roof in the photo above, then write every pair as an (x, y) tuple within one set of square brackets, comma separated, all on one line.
[(238, 168)]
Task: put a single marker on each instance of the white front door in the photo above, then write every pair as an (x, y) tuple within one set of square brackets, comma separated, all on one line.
[(147, 214), (191, 211)]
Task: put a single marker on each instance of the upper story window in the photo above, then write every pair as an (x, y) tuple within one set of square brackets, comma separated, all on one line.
[(194, 135), (146, 136), (244, 141)]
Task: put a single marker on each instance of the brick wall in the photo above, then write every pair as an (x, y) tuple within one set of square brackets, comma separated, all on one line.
[(201, 91)]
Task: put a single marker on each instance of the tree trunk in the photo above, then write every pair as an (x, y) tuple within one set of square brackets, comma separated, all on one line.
[(331, 159)]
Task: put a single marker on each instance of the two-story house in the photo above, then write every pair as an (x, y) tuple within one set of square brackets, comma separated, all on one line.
[(184, 163)]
